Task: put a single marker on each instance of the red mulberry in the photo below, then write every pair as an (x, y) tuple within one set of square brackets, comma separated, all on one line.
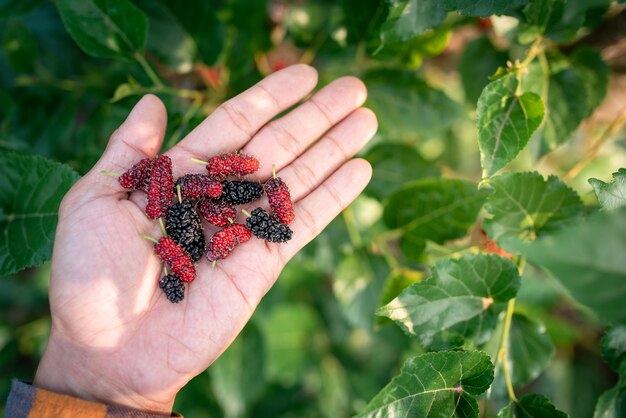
[(138, 176), (217, 212), (280, 200), (232, 165), (161, 188), (194, 186), (224, 241), (175, 258)]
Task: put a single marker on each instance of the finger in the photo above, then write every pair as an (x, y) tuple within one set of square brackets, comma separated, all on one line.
[(284, 139), (235, 121), (140, 136), (329, 153)]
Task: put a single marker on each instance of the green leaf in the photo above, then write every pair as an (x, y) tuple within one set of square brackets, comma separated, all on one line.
[(105, 28), (526, 206), (505, 122), (238, 375), (167, 38), (479, 60), (408, 18), (573, 88), (612, 403), (407, 107), (397, 282), (611, 195), (532, 405), (394, 165), (457, 291), (357, 285), (31, 189), (431, 385), (588, 259), (434, 209)]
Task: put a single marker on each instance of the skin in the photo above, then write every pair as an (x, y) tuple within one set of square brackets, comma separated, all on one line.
[(115, 338)]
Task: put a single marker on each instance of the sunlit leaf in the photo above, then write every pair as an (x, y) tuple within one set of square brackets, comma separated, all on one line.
[(457, 291), (525, 206), (431, 385), (611, 195), (506, 122)]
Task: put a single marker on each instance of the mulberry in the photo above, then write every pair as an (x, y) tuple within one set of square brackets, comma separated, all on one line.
[(217, 212), (173, 287), (176, 259), (280, 200), (241, 192), (184, 226), (232, 164), (267, 227), (138, 176), (194, 186), (224, 241), (160, 188)]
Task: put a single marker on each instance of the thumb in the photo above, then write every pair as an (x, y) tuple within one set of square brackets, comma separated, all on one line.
[(140, 136)]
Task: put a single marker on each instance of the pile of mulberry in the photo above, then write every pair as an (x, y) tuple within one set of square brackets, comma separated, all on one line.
[(267, 227), (184, 226), (173, 287)]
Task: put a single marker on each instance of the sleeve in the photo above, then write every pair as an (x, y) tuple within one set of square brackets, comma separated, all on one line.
[(27, 401)]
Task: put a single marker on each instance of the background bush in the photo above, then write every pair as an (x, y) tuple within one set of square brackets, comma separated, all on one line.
[(71, 70)]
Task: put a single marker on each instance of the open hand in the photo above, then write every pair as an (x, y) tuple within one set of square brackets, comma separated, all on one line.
[(115, 337)]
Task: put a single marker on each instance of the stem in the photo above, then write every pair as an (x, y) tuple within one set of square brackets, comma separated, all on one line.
[(149, 238), (180, 197), (163, 231), (273, 171), (245, 212), (504, 342), (196, 160), (152, 75), (503, 355), (110, 173)]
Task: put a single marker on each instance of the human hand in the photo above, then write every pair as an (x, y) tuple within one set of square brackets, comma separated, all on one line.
[(115, 338)]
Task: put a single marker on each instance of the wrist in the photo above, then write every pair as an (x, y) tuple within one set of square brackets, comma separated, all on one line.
[(70, 370)]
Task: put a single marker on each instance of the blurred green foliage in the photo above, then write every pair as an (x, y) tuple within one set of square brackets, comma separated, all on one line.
[(315, 347)]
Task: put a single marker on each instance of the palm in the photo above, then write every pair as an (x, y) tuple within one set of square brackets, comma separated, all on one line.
[(104, 297)]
